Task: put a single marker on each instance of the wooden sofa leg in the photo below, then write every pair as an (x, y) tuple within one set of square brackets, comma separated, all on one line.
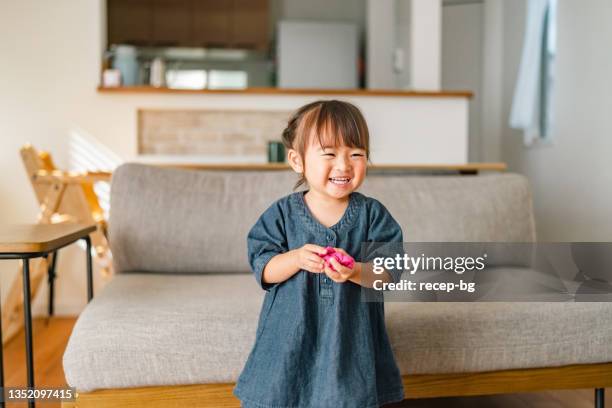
[(600, 397)]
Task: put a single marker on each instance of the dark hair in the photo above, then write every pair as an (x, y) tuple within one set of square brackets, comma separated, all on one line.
[(343, 121)]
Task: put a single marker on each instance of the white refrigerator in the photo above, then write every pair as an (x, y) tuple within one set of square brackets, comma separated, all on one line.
[(317, 55)]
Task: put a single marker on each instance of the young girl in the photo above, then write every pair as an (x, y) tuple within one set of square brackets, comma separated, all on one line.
[(317, 343)]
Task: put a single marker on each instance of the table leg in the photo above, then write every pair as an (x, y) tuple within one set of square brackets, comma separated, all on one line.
[(27, 316), (1, 359), (89, 269), (600, 397), (51, 281)]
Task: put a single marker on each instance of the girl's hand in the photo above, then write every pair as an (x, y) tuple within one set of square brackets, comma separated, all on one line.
[(307, 258), (341, 273)]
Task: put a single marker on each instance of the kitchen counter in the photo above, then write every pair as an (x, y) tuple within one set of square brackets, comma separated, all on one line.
[(291, 91), (405, 126)]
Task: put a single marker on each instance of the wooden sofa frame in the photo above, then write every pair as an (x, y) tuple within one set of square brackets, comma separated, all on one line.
[(597, 376)]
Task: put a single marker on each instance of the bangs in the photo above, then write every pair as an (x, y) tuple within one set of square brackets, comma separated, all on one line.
[(336, 123)]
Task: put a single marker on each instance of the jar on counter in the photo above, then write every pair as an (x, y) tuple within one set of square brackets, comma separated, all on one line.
[(126, 62), (276, 152), (158, 73)]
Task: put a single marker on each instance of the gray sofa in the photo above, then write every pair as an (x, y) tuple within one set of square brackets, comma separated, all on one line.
[(183, 306)]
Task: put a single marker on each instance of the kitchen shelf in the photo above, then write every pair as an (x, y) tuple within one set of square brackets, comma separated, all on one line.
[(468, 168), (289, 91)]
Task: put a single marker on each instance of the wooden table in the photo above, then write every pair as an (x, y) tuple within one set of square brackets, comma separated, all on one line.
[(27, 241)]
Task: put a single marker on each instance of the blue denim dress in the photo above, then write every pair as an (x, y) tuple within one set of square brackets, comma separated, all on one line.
[(317, 343)]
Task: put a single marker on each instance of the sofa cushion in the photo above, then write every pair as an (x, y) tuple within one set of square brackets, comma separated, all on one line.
[(172, 220), (432, 338), (147, 329), (161, 329), (487, 208)]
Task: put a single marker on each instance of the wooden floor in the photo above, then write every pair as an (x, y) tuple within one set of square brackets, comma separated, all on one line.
[(51, 336)]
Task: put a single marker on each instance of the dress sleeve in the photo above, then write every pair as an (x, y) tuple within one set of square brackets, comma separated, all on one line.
[(265, 240), (385, 237)]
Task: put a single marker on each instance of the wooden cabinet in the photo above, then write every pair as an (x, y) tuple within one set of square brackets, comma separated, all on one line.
[(172, 22), (129, 22), (188, 23), (211, 23), (250, 24)]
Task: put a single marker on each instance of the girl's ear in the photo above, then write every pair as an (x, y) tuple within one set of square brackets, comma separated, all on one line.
[(295, 161)]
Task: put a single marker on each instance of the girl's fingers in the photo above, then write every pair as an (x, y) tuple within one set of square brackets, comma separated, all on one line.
[(338, 266), (343, 270), (332, 274), (314, 266), (342, 251), (315, 249), (315, 260)]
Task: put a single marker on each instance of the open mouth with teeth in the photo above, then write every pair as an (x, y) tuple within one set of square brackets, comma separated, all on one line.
[(340, 180)]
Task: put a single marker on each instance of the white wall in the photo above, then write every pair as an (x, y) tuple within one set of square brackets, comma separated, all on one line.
[(403, 44), (462, 62), (45, 90), (492, 81), (572, 177), (51, 59), (380, 44), (403, 26), (425, 44), (472, 58)]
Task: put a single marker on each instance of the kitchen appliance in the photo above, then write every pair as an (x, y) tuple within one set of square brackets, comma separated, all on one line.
[(317, 54)]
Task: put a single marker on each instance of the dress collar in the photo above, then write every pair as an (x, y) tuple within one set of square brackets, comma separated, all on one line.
[(345, 221)]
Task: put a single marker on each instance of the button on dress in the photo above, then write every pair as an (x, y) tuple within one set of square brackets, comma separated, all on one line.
[(317, 343)]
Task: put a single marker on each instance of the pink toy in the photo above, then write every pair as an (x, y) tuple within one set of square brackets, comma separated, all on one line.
[(345, 260)]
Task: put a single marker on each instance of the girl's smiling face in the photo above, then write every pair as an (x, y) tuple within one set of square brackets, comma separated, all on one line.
[(328, 144), (333, 171)]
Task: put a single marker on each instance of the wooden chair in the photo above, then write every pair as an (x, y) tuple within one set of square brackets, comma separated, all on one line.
[(63, 196)]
